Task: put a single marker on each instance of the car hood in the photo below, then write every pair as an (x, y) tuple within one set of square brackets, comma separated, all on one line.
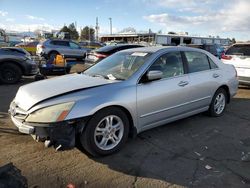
[(31, 94)]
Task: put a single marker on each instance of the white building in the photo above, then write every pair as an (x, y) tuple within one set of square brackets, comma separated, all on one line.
[(175, 39)]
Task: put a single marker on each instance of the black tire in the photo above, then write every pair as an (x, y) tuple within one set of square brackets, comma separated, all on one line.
[(87, 137), (10, 73), (52, 55), (81, 59), (212, 111), (84, 56)]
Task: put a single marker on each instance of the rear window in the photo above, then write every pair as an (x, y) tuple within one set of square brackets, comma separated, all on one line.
[(239, 50), (211, 49), (112, 49), (106, 49), (33, 44)]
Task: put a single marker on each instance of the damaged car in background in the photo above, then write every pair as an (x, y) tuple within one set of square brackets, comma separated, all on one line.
[(126, 93)]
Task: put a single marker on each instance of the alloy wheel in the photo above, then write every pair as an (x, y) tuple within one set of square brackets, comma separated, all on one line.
[(219, 103), (109, 132)]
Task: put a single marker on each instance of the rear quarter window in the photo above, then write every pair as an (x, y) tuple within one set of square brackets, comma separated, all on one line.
[(212, 63)]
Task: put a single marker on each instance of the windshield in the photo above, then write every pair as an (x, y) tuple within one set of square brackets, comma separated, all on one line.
[(119, 66)]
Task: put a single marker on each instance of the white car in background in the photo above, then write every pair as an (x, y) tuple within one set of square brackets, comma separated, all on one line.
[(239, 56)]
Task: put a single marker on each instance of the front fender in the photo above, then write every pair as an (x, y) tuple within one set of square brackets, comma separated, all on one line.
[(125, 98)]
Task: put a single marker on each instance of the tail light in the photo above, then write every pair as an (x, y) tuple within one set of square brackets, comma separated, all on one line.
[(226, 57), (101, 55)]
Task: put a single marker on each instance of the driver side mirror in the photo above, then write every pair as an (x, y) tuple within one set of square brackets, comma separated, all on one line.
[(154, 75)]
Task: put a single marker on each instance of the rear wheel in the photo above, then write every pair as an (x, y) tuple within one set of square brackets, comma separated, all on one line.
[(10, 73), (219, 102), (106, 132)]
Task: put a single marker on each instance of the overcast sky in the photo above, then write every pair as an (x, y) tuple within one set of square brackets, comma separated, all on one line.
[(226, 18)]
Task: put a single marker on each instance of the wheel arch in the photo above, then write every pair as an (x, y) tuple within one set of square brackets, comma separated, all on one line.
[(6, 61), (50, 52), (132, 127), (226, 88)]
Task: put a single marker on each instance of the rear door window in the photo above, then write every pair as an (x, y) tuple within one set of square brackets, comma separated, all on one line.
[(197, 61), (60, 43), (239, 50), (73, 45)]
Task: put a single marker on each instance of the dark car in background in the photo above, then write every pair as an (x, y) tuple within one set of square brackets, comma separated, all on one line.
[(14, 63), (101, 53), (28, 46), (214, 49)]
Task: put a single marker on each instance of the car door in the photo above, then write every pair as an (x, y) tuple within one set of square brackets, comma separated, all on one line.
[(62, 47), (204, 77), (75, 49), (160, 100)]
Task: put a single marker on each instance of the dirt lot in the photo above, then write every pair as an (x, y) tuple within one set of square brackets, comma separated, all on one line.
[(195, 152)]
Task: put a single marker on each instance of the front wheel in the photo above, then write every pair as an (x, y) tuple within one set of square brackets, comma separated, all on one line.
[(219, 102), (10, 73), (106, 132)]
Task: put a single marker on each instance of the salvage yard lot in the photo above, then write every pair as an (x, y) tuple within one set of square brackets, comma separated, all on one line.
[(198, 151)]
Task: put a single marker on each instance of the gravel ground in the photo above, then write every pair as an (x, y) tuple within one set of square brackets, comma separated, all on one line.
[(198, 151)]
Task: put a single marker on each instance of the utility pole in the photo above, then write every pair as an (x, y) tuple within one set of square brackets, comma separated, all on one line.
[(110, 22), (89, 34), (97, 29)]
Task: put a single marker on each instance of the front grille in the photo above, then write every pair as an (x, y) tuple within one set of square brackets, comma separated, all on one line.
[(17, 112)]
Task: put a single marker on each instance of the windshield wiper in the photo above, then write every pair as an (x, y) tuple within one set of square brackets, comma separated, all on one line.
[(100, 76), (119, 78)]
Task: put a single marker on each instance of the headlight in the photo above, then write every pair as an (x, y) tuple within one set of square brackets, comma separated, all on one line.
[(51, 114)]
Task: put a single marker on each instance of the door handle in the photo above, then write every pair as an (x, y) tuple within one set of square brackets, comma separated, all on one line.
[(183, 83), (216, 75)]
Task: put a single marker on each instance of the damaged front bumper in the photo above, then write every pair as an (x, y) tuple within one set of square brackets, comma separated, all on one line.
[(23, 128), (59, 134)]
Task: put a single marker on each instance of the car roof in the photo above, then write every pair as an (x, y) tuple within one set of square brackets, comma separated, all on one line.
[(15, 49)]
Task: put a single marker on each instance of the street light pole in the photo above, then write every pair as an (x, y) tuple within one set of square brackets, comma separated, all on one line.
[(110, 22), (89, 33)]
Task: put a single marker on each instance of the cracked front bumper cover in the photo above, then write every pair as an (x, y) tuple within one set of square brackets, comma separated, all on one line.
[(23, 128), (61, 134)]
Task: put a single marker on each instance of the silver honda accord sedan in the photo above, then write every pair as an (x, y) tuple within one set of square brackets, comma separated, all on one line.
[(127, 93)]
